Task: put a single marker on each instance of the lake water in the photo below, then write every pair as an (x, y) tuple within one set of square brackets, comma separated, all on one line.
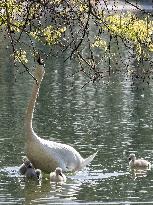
[(109, 117)]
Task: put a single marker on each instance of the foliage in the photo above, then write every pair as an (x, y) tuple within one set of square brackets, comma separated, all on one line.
[(69, 25), (99, 43), (129, 27), (20, 56)]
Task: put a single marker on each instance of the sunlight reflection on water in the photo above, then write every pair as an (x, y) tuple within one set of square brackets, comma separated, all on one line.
[(112, 119)]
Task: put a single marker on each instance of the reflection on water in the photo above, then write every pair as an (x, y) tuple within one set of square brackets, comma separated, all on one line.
[(113, 119), (44, 192), (139, 173)]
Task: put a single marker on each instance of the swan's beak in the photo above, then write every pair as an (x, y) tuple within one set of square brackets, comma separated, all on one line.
[(40, 61), (129, 159)]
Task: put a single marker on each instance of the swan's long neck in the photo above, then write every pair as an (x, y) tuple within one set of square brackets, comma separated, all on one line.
[(30, 110)]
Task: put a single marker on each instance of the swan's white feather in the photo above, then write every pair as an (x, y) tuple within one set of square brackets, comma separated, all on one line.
[(52, 154)]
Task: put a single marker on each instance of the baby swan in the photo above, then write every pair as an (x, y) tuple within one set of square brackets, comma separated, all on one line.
[(26, 163), (33, 173), (57, 175), (38, 173), (138, 163)]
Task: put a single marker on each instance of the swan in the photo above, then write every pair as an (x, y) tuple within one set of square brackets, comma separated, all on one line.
[(138, 163), (57, 175), (44, 154)]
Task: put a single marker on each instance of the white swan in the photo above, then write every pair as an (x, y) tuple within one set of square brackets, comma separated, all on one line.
[(138, 163), (57, 175), (47, 155)]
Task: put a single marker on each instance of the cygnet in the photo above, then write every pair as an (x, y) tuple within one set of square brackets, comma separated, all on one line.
[(57, 175), (33, 173), (138, 163), (23, 167)]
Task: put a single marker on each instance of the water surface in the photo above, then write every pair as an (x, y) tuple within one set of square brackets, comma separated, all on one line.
[(112, 118)]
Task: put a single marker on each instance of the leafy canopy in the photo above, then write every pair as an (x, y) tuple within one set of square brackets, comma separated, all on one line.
[(68, 26)]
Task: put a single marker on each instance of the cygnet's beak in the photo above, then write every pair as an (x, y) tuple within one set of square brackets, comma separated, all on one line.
[(61, 174), (29, 166)]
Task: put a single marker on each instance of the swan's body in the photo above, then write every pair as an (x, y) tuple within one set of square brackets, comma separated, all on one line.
[(57, 175), (48, 155), (138, 163)]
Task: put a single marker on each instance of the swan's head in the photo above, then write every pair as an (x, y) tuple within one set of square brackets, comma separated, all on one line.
[(40, 70), (132, 157), (58, 171)]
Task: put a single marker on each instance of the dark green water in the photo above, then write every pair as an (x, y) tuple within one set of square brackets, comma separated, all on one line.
[(113, 119)]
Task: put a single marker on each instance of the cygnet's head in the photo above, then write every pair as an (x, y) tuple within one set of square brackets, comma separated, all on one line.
[(58, 171), (38, 173), (25, 165), (132, 157), (29, 165), (27, 162)]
